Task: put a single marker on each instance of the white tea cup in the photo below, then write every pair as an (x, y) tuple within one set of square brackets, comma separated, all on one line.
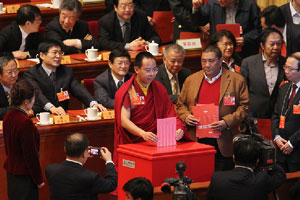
[(43, 117), (1, 7), (91, 113), (56, 3), (91, 54), (152, 48)]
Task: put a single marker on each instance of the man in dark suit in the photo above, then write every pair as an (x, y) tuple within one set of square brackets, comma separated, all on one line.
[(67, 28), (263, 73), (8, 77), (108, 82), (55, 81), (22, 37), (182, 11), (243, 182), (285, 118), (291, 15), (171, 73), (244, 12), (147, 6), (125, 28), (69, 180)]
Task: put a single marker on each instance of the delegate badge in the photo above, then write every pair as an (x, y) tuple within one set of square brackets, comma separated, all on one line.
[(229, 100), (138, 100), (282, 121), (296, 109), (63, 95)]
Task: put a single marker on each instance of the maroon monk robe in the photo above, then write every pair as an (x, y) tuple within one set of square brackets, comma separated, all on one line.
[(157, 103)]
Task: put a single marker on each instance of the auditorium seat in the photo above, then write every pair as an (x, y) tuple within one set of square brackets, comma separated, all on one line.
[(89, 85), (93, 26), (163, 25), (42, 30)]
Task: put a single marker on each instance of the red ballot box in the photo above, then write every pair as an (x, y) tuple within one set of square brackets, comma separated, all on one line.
[(157, 163)]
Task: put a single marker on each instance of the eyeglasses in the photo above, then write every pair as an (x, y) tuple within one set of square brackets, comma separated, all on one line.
[(129, 6), (60, 53), (12, 72), (148, 71), (287, 68)]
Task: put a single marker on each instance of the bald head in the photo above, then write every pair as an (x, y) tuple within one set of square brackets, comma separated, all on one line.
[(76, 144)]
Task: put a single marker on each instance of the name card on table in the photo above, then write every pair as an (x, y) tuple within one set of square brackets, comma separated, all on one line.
[(12, 8), (1, 125), (190, 44), (61, 119), (108, 114), (66, 60)]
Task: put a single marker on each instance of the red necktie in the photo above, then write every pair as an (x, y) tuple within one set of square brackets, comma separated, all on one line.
[(293, 94)]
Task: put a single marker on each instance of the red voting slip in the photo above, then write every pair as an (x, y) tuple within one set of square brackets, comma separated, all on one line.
[(166, 132), (206, 114), (235, 29), (163, 25)]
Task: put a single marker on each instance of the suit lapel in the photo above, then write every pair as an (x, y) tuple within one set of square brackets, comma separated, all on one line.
[(111, 82), (225, 81), (295, 101), (3, 97), (166, 81), (280, 76), (118, 30), (261, 74), (197, 85)]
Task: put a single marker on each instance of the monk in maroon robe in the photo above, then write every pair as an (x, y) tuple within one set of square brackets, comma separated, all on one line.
[(140, 102)]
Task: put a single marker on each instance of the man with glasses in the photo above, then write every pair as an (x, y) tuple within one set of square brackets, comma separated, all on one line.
[(8, 77), (223, 88), (286, 117), (263, 73), (171, 73), (126, 28), (140, 102), (67, 28), (22, 37), (108, 82), (56, 81)]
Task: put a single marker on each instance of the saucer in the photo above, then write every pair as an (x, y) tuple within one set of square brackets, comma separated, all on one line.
[(39, 123), (93, 119), (159, 54), (97, 59)]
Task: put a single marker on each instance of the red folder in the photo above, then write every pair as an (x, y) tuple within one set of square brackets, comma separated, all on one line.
[(163, 25), (206, 114), (235, 29)]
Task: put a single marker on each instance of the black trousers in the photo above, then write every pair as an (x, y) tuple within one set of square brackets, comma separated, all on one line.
[(21, 187), (221, 163)]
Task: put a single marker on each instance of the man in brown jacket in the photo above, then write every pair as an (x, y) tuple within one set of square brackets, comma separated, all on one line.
[(216, 85)]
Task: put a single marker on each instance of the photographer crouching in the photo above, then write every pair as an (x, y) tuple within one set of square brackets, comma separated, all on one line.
[(244, 181)]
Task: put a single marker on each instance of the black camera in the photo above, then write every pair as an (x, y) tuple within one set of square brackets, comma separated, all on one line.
[(182, 189), (267, 156)]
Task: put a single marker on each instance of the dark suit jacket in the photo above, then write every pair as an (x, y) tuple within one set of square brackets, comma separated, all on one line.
[(147, 6), (11, 39), (163, 78), (105, 88), (182, 11), (241, 183), (291, 131), (4, 105), (47, 91), (70, 181), (54, 31), (110, 33), (261, 102), (292, 31), (248, 16)]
